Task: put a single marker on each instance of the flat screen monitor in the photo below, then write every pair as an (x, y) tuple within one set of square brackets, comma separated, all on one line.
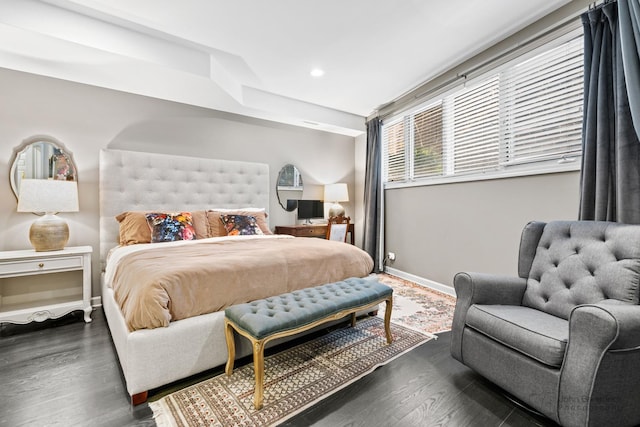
[(310, 209)]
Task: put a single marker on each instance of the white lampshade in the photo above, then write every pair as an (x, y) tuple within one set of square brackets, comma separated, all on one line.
[(49, 232), (336, 192), (48, 195)]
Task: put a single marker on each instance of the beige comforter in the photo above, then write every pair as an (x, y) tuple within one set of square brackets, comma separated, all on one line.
[(166, 282)]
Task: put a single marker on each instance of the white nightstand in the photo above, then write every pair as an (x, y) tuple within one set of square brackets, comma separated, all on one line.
[(39, 299)]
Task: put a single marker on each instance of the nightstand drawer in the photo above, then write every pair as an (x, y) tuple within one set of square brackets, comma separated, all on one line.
[(39, 265)]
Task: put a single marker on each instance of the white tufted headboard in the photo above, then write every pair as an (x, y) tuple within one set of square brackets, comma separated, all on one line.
[(132, 180)]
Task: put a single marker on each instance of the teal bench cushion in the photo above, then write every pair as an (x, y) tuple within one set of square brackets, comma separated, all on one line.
[(262, 318)]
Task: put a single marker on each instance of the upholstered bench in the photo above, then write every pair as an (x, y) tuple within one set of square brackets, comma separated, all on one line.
[(287, 314)]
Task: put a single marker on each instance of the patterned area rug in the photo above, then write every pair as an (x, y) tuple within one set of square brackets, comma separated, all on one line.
[(418, 307), (300, 376), (295, 378)]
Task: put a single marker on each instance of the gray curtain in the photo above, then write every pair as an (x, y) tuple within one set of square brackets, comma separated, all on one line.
[(610, 177), (629, 19), (373, 194)]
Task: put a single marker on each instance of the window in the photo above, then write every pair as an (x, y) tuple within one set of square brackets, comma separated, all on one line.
[(427, 146), (525, 116), (395, 153)]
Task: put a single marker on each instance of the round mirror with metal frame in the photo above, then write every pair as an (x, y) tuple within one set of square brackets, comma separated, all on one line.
[(41, 157), (289, 187)]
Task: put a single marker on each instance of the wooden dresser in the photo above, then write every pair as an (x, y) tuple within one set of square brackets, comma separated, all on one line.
[(310, 230)]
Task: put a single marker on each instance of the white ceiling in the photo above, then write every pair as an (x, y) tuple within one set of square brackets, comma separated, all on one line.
[(253, 57)]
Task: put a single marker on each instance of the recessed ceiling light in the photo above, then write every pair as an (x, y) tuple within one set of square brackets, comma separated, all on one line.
[(317, 72)]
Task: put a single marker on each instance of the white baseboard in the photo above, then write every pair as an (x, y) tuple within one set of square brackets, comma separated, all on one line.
[(96, 302), (421, 281)]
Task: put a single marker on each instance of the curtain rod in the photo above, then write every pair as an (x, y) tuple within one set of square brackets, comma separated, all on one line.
[(568, 26), (595, 5)]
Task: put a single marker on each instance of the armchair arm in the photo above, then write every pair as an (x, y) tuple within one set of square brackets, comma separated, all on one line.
[(481, 288), (628, 319), (600, 364)]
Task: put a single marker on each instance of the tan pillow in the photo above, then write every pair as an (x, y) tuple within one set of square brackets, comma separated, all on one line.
[(200, 223), (216, 227), (134, 228)]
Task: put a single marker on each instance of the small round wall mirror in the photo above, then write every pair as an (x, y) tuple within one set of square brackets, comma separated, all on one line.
[(289, 187), (41, 157)]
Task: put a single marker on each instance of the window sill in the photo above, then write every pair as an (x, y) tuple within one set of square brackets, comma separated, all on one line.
[(515, 172)]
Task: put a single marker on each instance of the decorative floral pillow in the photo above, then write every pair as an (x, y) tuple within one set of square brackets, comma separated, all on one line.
[(169, 227), (217, 228), (240, 225)]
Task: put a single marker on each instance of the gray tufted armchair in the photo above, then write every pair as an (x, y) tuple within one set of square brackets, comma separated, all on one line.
[(563, 336)]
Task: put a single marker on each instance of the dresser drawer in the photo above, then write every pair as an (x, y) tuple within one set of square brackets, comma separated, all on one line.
[(40, 265), (311, 232)]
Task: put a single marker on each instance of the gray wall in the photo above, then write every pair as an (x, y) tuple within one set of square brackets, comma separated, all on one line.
[(439, 230), (86, 119)]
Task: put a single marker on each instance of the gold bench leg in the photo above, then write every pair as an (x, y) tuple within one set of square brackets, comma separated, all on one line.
[(353, 320), (387, 319), (231, 347), (258, 368)]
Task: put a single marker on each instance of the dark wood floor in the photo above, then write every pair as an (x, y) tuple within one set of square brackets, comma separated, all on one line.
[(65, 373)]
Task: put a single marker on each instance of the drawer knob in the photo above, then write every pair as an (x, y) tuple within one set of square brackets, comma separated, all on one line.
[(41, 265)]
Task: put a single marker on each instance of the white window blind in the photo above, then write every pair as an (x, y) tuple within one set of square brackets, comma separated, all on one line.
[(428, 138), (528, 112), (544, 100), (476, 129), (395, 158)]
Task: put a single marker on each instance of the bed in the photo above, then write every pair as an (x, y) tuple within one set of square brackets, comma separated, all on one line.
[(157, 355)]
